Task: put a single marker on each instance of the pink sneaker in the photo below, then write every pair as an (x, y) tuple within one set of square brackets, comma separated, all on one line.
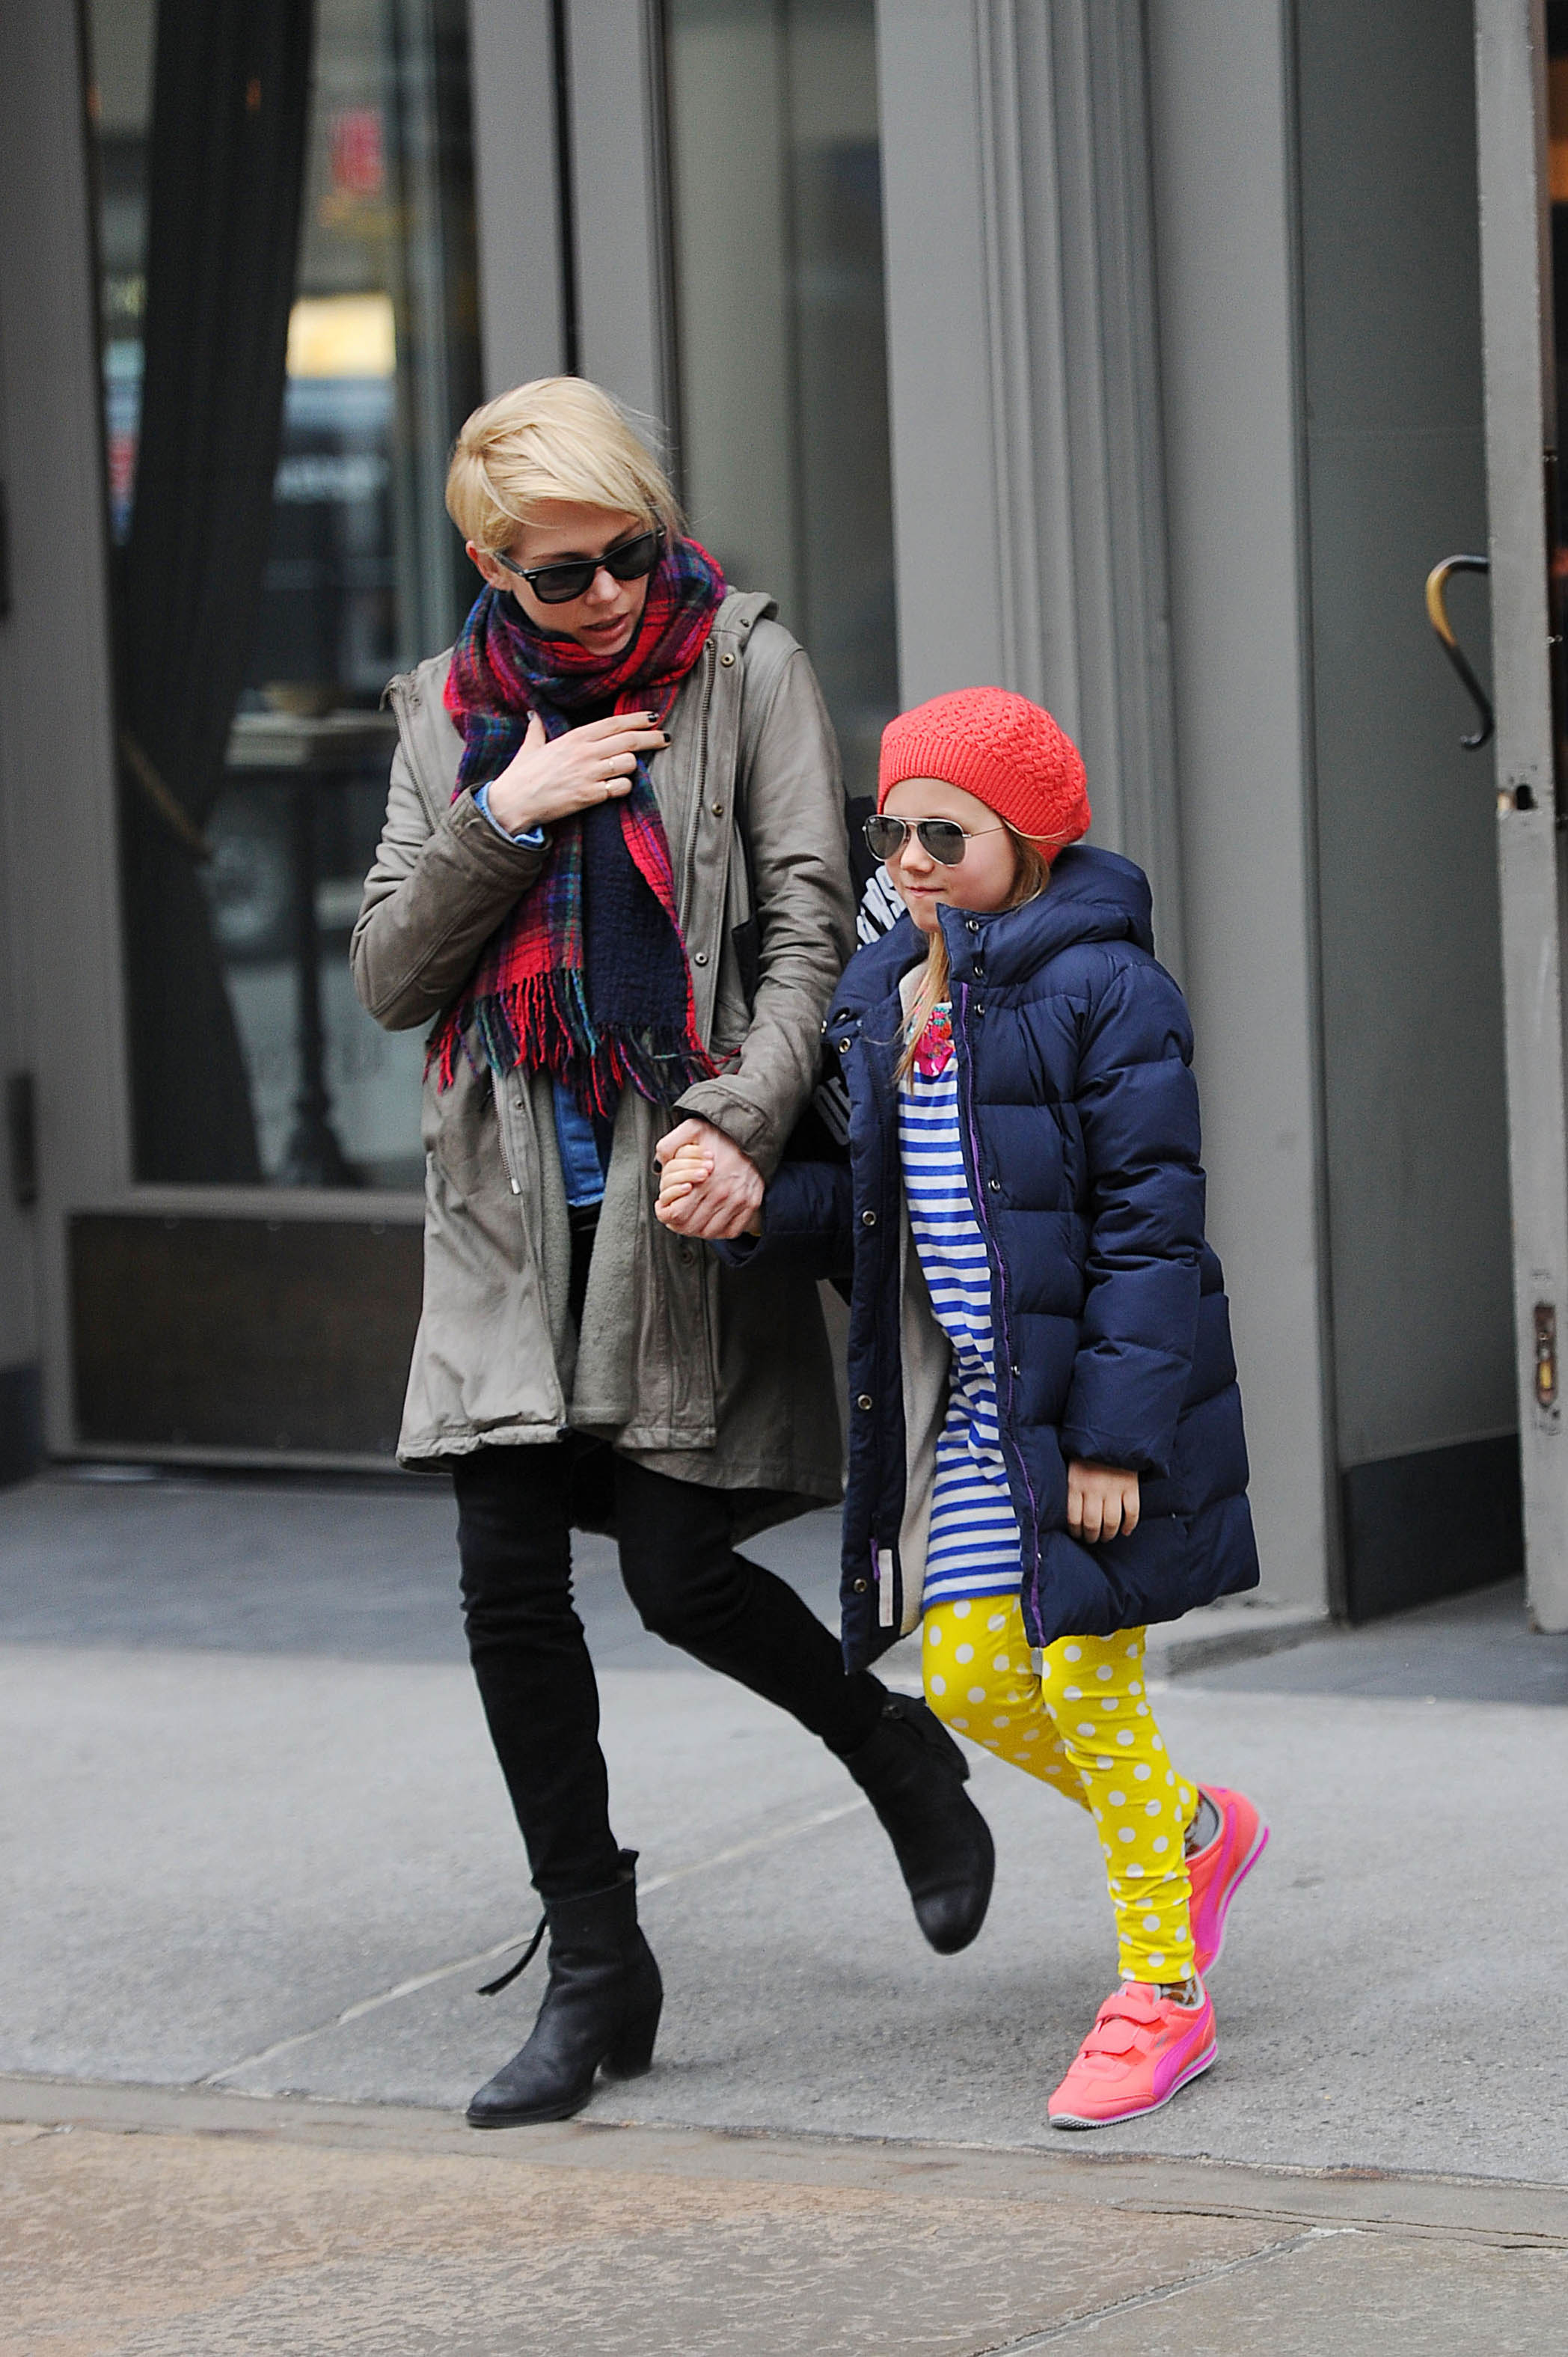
[(1217, 1872), (1141, 2048)]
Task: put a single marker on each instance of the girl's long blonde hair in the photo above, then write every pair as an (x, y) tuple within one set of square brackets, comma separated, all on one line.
[(1031, 875)]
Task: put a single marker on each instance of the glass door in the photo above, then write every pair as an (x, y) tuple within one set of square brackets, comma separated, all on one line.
[(288, 324), (291, 533)]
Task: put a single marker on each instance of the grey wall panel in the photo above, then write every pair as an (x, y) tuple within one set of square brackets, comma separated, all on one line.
[(57, 785), (1110, 391), (1225, 249), (1023, 359), (518, 192), (949, 493), (1416, 1120), (18, 1314), (620, 213)]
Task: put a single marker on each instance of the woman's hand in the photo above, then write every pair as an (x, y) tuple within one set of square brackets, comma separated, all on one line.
[(553, 777), (1102, 1502), (708, 1187)]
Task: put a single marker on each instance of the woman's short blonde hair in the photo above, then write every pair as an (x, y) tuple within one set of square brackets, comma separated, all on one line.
[(557, 438)]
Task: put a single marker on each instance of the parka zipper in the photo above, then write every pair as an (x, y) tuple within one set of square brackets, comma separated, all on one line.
[(1001, 1330), (886, 1567)]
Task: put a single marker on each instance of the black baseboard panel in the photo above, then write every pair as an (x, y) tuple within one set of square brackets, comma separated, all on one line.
[(1433, 1524), (242, 1337), (21, 1423)]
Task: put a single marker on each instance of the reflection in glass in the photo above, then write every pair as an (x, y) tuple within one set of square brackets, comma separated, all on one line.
[(776, 172), (288, 320)]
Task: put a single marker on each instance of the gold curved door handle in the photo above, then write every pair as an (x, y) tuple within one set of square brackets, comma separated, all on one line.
[(1437, 611)]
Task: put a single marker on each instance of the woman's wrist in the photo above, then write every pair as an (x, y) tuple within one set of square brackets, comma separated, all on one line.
[(513, 807), (530, 838)]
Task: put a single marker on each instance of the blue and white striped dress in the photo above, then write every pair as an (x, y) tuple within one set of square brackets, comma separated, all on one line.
[(974, 1547)]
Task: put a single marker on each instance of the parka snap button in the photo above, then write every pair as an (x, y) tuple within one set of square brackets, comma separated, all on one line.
[(843, 1047), (687, 1254), (1015, 1369), (861, 1586), (869, 1219), (995, 1185), (863, 1401), (700, 957), (971, 925), (718, 809), (726, 660)]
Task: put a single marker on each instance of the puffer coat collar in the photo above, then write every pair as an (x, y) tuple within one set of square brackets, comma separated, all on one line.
[(1093, 896)]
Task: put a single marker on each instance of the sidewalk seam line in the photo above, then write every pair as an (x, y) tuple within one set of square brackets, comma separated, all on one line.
[(1159, 2293), (365, 2005)]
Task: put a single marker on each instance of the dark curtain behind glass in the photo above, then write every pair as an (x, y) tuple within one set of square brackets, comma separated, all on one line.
[(224, 176)]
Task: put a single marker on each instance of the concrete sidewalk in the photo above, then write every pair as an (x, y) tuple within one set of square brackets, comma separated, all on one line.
[(261, 1850), (236, 2229)]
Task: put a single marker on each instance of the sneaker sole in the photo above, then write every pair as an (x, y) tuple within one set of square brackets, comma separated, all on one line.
[(1139, 2111), (1259, 1843)]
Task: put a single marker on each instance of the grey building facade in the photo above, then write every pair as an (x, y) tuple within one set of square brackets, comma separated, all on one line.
[(1131, 353)]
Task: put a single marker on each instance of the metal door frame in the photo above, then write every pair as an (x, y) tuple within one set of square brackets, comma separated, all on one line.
[(1521, 434)]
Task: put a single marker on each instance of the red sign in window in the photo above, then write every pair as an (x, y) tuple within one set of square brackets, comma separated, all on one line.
[(358, 165)]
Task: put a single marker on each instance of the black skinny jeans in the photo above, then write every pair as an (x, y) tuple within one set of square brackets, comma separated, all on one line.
[(530, 1657)]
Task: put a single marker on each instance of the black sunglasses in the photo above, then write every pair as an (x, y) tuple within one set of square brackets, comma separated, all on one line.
[(557, 585), (942, 837)]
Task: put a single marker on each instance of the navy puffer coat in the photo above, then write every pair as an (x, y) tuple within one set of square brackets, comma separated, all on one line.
[(1080, 1135)]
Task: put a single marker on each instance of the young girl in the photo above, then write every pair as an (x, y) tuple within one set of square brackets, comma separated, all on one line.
[(1047, 1447)]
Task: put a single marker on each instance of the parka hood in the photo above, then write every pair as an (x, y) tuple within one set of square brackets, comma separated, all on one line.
[(1093, 896)]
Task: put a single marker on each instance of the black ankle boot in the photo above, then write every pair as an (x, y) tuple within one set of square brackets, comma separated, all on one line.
[(914, 1774), (602, 2007)]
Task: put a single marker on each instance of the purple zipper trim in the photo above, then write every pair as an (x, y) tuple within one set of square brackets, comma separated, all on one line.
[(1004, 1357)]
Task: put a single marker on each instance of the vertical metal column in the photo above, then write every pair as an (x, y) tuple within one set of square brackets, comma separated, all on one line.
[(1521, 433)]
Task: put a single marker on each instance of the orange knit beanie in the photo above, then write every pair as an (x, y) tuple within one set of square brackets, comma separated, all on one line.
[(1007, 752)]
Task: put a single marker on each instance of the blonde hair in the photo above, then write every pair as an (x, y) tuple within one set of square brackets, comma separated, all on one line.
[(557, 438), (1030, 878)]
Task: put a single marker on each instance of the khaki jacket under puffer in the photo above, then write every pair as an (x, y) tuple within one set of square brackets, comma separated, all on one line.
[(710, 1376)]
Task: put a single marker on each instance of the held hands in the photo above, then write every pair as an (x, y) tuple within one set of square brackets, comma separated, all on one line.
[(1102, 1502), (708, 1187), (549, 778)]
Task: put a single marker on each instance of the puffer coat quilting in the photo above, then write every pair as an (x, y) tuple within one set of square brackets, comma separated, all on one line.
[(1081, 1144)]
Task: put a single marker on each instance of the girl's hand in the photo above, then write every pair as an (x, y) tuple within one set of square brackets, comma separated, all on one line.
[(1102, 1502), (681, 1173), (549, 778), (723, 1202)]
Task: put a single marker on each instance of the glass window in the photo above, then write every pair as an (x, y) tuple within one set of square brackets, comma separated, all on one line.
[(289, 335), (781, 335)]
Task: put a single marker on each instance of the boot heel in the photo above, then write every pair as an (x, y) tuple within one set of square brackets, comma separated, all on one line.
[(632, 2052)]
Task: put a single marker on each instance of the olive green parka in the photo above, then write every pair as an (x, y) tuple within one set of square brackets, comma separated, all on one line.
[(705, 1374)]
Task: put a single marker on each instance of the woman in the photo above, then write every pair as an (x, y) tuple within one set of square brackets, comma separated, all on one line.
[(590, 789)]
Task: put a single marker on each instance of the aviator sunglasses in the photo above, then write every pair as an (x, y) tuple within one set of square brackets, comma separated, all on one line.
[(943, 837), (557, 585)]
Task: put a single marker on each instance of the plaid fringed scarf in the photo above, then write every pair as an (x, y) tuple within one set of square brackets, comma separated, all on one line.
[(587, 978)]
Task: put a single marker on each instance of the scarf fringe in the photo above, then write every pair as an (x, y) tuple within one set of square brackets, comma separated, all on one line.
[(542, 1024)]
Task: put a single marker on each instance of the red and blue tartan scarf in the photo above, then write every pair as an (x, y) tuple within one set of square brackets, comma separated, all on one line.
[(587, 978)]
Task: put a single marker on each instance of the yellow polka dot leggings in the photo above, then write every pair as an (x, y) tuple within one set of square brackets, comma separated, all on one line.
[(1084, 1724)]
